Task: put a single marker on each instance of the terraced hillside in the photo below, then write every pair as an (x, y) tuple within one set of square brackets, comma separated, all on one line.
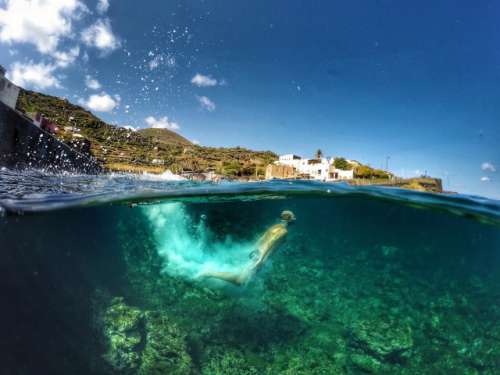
[(151, 150)]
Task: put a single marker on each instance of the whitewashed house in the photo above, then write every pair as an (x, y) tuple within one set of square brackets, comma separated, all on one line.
[(335, 174), (8, 91), (314, 169)]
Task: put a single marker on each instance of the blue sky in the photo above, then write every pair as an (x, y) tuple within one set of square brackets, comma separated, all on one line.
[(416, 81)]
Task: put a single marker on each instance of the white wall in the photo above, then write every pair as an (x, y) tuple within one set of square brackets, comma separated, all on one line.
[(8, 92), (343, 175)]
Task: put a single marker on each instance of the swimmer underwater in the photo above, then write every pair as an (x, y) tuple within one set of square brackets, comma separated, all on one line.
[(267, 243)]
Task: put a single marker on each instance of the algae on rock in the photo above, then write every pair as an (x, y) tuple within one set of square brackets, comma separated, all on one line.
[(165, 351), (383, 339), (123, 332), (143, 342)]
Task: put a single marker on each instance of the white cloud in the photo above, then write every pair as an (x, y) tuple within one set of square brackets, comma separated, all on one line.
[(206, 103), (161, 123), (31, 75), (101, 102), (64, 59), (195, 142), (102, 6), (100, 35), (486, 166), (201, 80), (130, 127), (485, 179), (92, 83), (39, 22)]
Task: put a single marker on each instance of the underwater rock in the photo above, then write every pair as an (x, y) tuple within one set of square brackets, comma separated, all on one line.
[(385, 340), (165, 350), (123, 333), (228, 362), (366, 363), (143, 342)]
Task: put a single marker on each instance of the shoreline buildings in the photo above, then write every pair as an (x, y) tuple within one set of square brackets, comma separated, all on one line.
[(292, 166)]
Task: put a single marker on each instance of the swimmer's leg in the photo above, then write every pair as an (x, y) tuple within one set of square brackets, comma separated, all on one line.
[(239, 279), (231, 277)]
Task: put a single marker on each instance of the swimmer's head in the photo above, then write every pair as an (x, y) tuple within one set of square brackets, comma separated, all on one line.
[(287, 216)]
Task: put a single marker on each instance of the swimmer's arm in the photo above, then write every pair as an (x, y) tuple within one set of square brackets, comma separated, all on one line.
[(265, 240), (271, 242)]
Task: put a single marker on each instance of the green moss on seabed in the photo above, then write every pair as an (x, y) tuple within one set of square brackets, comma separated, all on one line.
[(165, 351), (123, 330), (143, 342)]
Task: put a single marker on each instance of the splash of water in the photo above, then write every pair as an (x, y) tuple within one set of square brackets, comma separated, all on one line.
[(189, 248)]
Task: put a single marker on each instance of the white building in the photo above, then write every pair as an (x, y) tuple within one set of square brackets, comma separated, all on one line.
[(340, 174), (289, 157), (8, 91), (315, 169)]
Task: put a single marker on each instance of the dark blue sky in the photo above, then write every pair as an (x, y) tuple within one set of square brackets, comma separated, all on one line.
[(416, 81)]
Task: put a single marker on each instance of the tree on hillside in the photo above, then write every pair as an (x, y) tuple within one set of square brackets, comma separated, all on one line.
[(341, 163), (319, 154), (363, 171)]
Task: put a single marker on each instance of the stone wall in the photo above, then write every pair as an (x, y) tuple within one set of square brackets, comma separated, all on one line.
[(279, 171), (24, 145)]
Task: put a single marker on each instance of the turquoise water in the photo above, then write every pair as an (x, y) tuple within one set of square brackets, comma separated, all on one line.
[(100, 275)]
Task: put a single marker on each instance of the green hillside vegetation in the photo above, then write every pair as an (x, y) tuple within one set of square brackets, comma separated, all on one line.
[(152, 150), (360, 170), (164, 136), (364, 171), (341, 163)]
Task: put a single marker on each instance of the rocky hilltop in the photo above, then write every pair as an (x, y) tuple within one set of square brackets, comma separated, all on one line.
[(150, 150)]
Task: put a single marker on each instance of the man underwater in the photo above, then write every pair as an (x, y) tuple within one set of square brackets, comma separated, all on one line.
[(266, 245)]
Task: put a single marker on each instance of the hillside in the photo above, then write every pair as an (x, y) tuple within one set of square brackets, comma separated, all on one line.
[(164, 136), (152, 150)]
